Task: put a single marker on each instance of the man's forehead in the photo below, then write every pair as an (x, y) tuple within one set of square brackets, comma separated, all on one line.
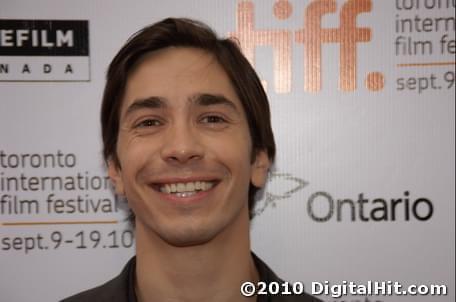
[(176, 73)]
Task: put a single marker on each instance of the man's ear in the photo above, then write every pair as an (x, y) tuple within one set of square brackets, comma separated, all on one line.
[(260, 168), (115, 176)]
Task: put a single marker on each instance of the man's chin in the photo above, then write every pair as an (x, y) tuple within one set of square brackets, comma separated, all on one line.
[(187, 237)]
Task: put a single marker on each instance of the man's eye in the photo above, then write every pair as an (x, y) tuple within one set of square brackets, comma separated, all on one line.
[(213, 119), (148, 123)]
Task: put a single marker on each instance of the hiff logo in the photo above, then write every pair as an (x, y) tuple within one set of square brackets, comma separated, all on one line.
[(312, 36)]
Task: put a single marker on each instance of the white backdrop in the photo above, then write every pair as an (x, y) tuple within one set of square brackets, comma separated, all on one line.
[(390, 139)]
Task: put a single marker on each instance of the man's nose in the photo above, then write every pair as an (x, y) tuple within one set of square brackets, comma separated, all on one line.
[(182, 144)]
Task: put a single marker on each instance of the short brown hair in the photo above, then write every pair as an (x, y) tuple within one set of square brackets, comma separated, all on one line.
[(181, 32)]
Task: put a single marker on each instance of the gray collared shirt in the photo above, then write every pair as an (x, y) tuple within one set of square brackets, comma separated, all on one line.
[(122, 287)]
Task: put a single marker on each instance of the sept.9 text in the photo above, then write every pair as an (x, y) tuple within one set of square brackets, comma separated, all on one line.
[(54, 240)]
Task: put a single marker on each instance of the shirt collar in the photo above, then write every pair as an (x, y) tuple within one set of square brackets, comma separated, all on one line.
[(265, 273)]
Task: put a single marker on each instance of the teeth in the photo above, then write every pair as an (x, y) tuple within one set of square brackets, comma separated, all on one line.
[(185, 194), (180, 187), (186, 189), (190, 187), (165, 189)]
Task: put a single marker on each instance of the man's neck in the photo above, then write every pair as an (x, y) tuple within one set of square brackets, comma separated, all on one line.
[(213, 271)]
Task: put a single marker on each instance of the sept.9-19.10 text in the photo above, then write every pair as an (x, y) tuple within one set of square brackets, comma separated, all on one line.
[(53, 240)]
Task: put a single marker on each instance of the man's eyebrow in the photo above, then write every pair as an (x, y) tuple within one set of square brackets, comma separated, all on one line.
[(206, 99), (152, 102)]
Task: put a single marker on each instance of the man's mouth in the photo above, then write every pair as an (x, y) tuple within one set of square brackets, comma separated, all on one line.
[(186, 189)]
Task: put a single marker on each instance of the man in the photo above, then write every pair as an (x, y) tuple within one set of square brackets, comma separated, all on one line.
[(188, 141)]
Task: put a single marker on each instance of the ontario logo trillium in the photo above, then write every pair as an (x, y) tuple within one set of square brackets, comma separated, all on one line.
[(280, 186)]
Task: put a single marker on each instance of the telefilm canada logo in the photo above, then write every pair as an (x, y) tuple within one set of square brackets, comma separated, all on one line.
[(323, 206), (44, 50)]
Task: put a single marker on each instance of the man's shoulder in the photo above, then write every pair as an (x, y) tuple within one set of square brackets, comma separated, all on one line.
[(268, 276), (103, 293), (115, 290)]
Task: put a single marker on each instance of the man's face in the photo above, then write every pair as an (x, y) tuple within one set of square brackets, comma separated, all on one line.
[(184, 148)]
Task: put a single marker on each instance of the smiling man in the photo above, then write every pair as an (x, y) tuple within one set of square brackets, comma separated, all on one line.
[(188, 141)]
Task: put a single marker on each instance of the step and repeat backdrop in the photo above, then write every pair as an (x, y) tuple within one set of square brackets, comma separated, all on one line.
[(362, 94)]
